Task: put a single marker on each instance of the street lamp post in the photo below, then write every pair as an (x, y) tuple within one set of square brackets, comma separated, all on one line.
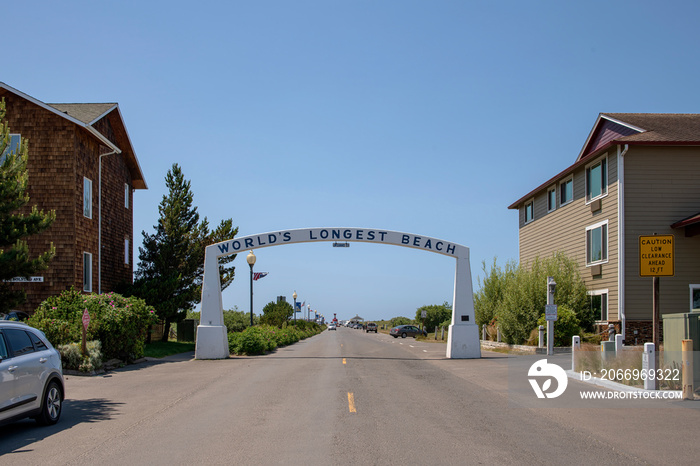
[(251, 262), (294, 296)]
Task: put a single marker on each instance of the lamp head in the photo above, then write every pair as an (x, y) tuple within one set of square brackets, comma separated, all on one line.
[(250, 258)]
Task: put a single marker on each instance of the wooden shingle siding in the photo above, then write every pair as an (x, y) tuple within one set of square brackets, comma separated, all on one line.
[(564, 230), (661, 187), (61, 153)]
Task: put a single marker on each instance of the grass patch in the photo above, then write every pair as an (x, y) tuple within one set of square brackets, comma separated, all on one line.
[(160, 349)]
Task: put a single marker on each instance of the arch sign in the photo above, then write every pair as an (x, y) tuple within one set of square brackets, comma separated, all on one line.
[(463, 338)]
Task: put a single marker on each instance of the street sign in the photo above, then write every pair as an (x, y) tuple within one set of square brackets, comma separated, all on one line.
[(550, 312), (86, 319), (423, 314), (656, 256)]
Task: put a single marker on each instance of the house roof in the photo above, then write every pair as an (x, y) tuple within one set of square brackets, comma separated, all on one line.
[(85, 116), (688, 221), (87, 113), (611, 129)]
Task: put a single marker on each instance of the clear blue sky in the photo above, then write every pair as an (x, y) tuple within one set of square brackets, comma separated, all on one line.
[(428, 117)]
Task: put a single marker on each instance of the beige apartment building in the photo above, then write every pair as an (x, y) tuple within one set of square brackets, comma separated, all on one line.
[(637, 174)]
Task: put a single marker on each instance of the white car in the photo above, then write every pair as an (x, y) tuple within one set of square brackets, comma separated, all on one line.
[(31, 375), (331, 327)]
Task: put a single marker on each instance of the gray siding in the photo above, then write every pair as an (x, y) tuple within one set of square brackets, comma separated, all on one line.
[(662, 186), (565, 230)]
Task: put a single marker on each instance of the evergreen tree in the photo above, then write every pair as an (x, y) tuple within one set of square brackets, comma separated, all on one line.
[(15, 260), (171, 261), (277, 313)]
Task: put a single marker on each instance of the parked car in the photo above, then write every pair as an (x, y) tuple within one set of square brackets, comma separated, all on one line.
[(371, 327), (404, 331), (31, 375), (17, 316), (331, 326)]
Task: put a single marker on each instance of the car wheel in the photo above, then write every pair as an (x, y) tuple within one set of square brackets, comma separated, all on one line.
[(52, 404), (403, 335)]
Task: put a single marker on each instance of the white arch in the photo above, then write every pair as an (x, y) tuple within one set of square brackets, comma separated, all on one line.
[(463, 337)]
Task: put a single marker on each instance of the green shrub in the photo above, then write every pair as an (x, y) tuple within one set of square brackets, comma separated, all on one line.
[(565, 327), (73, 359), (396, 321), (119, 323)]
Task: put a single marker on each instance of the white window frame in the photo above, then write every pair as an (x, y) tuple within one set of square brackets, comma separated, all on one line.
[(604, 182), (87, 193), (12, 146), (561, 191), (551, 208), (602, 244), (605, 303), (87, 272), (126, 195), (693, 287), (531, 202), (127, 251)]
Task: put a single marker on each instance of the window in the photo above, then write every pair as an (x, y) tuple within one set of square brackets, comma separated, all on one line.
[(529, 211), (3, 347), (19, 341), (126, 251), (597, 180), (87, 197), (15, 140), (597, 243), (38, 344), (551, 199), (87, 272), (566, 191), (126, 195), (695, 297), (599, 304)]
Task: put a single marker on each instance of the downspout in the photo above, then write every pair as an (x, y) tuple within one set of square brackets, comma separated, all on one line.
[(99, 222), (621, 237)]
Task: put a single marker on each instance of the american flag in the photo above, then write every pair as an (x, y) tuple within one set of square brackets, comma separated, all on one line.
[(257, 275)]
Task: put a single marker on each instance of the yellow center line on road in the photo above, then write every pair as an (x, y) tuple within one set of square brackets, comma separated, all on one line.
[(351, 402)]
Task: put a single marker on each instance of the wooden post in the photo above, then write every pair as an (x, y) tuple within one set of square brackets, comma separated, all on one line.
[(84, 346), (687, 356)]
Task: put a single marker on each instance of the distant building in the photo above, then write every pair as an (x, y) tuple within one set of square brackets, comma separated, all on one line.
[(637, 174), (83, 166)]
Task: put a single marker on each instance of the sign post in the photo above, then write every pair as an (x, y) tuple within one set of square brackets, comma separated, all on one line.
[(550, 314), (656, 259), (86, 322)]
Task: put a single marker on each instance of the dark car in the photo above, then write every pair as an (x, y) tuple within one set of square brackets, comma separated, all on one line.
[(371, 327), (17, 316), (404, 331)]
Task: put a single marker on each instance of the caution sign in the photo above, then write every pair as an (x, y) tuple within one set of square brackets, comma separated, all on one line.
[(656, 256)]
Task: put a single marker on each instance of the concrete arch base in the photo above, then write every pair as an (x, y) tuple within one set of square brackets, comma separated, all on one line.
[(209, 342), (463, 342)]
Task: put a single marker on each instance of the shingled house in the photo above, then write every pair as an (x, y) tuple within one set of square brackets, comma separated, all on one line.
[(82, 165), (637, 174)]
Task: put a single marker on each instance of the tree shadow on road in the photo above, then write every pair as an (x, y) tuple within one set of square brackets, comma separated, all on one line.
[(18, 435)]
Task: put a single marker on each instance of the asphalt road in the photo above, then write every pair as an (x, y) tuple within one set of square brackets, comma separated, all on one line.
[(347, 397)]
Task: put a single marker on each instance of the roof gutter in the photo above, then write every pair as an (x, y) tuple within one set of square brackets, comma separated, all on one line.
[(115, 151)]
